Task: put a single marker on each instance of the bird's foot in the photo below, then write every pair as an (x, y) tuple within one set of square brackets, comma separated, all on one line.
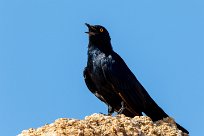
[(110, 110), (123, 107)]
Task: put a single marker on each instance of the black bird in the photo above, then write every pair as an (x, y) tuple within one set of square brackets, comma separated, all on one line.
[(109, 79)]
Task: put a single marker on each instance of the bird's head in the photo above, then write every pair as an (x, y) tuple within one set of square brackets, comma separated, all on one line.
[(97, 34)]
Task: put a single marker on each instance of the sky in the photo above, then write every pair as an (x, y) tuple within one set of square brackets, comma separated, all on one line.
[(43, 51)]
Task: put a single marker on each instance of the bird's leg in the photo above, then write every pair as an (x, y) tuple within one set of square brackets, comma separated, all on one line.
[(110, 110), (122, 108)]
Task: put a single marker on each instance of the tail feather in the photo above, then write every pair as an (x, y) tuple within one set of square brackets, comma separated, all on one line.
[(156, 113), (153, 110), (182, 129)]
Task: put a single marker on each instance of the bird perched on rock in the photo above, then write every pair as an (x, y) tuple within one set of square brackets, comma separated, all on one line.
[(108, 77)]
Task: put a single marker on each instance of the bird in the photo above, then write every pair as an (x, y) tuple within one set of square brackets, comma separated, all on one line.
[(108, 77)]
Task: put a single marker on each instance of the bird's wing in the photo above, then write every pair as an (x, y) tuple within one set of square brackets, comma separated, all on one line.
[(130, 90), (124, 82)]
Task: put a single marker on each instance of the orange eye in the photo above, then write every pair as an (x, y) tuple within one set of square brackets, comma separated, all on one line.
[(101, 29)]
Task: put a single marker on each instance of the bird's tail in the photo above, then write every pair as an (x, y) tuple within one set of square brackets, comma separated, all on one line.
[(156, 113)]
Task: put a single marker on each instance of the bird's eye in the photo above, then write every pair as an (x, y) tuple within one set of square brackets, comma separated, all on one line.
[(101, 29)]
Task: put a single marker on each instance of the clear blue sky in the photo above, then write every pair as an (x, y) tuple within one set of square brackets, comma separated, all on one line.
[(43, 51)]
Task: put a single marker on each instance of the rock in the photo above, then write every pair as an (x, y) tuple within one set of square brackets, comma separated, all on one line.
[(102, 125)]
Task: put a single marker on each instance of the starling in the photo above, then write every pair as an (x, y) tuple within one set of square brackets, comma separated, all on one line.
[(108, 77)]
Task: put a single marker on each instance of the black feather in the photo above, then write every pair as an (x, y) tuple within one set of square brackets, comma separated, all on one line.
[(109, 78)]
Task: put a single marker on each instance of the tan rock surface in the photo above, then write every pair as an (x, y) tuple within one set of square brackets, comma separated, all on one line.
[(101, 125)]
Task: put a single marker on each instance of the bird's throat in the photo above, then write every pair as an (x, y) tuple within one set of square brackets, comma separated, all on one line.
[(103, 47)]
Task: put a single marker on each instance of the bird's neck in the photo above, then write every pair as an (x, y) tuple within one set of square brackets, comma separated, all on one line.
[(103, 46)]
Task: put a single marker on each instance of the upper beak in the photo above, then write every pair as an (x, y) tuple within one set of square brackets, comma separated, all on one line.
[(91, 29), (89, 26)]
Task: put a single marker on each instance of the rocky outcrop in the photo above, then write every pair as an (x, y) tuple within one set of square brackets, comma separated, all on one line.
[(102, 125)]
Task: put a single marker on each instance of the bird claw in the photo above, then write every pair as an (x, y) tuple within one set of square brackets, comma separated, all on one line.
[(122, 108)]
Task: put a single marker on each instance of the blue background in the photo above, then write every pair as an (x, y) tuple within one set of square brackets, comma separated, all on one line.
[(43, 51)]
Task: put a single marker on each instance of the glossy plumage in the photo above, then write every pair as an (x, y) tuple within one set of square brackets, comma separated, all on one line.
[(109, 79)]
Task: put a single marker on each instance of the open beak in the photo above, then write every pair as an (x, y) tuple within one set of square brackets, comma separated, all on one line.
[(91, 29)]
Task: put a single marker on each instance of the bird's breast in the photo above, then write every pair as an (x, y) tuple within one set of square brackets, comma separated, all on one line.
[(95, 65)]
